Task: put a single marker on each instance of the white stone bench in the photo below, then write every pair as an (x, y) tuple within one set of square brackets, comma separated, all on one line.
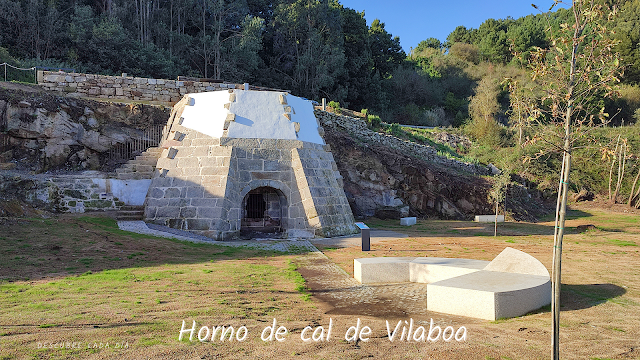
[(488, 218), (382, 270), (513, 284), (428, 270), (408, 221)]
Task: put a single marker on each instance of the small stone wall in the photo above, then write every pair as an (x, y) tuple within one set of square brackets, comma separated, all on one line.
[(161, 91), (78, 195), (62, 193)]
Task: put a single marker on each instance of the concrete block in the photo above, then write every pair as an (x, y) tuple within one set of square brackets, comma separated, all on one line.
[(382, 270), (431, 269), (489, 295), (408, 221), (488, 218), (515, 261)]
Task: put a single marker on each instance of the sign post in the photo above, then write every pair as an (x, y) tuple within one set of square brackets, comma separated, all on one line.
[(366, 239)]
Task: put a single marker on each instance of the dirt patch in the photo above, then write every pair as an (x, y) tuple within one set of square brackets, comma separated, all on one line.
[(21, 87)]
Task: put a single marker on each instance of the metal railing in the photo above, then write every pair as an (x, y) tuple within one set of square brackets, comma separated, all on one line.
[(150, 137)]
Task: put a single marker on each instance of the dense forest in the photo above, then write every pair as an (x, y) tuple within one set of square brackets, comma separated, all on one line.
[(314, 48)]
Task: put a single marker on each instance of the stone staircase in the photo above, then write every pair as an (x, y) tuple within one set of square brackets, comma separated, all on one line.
[(130, 213), (142, 167)]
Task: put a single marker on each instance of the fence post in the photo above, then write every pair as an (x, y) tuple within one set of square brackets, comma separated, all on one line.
[(5, 71)]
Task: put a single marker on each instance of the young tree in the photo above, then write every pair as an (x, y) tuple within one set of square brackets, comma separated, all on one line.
[(573, 74), (498, 193)]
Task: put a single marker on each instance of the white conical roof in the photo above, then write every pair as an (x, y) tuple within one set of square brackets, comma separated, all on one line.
[(255, 114)]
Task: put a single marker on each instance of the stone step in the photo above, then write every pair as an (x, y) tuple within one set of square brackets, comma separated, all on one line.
[(155, 149), (130, 217), (129, 167), (145, 160), (134, 175), (132, 208)]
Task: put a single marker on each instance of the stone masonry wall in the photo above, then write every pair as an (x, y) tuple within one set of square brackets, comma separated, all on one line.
[(320, 185), (162, 91), (62, 193)]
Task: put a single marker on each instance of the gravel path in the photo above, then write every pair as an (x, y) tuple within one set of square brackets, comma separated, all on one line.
[(287, 246)]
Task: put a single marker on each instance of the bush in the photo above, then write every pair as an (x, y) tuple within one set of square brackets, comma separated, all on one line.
[(374, 121), (435, 117), (486, 132)]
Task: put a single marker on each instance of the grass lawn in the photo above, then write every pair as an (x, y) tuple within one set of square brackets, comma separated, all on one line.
[(77, 287)]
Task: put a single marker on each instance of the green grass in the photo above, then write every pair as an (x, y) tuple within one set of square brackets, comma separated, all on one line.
[(622, 242), (301, 284)]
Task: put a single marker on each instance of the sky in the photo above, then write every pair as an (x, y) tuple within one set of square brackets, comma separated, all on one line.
[(417, 20)]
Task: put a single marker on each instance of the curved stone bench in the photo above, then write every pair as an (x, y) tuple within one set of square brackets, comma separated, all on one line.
[(513, 284)]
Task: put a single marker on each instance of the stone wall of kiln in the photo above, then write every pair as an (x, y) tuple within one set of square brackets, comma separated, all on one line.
[(202, 181)]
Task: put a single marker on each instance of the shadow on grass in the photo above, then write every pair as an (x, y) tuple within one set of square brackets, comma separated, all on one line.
[(577, 297), (35, 248)]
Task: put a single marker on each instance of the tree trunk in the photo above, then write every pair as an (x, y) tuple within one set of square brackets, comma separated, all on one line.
[(495, 226), (622, 159), (633, 188), (613, 162)]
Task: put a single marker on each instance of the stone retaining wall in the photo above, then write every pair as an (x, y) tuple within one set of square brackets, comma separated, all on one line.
[(161, 91), (62, 193)]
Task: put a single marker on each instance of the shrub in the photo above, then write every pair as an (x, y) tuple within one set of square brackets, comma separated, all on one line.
[(374, 121), (334, 106)]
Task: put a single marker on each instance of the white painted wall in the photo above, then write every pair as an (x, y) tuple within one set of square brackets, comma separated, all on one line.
[(130, 192), (206, 113), (259, 115)]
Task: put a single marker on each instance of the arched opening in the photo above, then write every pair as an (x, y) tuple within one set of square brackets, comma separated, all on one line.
[(263, 211)]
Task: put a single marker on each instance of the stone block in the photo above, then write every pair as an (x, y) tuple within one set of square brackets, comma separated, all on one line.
[(408, 221), (488, 218), (175, 223), (155, 193), (188, 212), (381, 270), (195, 192), (172, 192), (273, 165), (266, 154), (168, 212), (209, 212), (213, 170), (215, 192), (432, 269), (250, 165), (188, 163), (489, 295), (191, 172), (516, 261), (204, 202), (198, 224)]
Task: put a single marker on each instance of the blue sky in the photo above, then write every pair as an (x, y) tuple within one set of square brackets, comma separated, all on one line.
[(415, 20)]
